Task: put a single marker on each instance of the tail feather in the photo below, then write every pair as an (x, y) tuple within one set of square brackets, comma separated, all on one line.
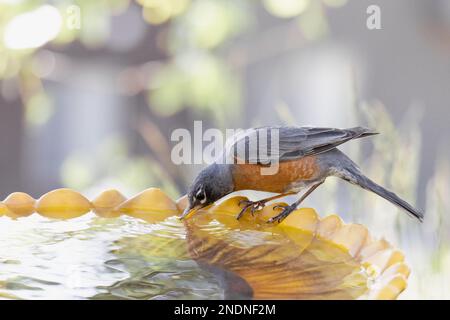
[(354, 176), (361, 132)]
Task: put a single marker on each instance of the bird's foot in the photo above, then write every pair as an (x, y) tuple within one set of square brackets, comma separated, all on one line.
[(287, 210), (252, 205)]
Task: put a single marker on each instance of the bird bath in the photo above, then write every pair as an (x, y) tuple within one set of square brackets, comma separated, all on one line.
[(74, 248)]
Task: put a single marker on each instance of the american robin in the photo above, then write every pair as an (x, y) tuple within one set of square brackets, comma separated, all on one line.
[(305, 156)]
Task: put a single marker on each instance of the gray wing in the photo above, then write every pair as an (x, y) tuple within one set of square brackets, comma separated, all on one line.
[(289, 143)]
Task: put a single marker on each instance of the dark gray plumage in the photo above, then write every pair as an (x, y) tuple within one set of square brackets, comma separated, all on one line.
[(293, 142)]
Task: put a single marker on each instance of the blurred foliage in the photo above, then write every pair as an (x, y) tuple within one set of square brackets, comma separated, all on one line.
[(21, 22), (196, 74), (196, 35), (199, 73), (205, 83), (113, 164), (201, 69), (160, 11)]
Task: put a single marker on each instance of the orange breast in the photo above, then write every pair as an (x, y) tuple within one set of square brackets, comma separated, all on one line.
[(249, 177)]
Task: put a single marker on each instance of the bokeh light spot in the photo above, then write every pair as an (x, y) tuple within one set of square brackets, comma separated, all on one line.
[(286, 8), (33, 29)]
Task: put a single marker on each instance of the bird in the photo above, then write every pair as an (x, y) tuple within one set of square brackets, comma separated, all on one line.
[(304, 157)]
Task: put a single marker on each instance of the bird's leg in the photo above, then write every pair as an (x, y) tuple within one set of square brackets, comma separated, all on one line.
[(258, 205), (289, 208)]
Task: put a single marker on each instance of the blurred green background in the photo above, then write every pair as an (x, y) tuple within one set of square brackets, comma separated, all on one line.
[(90, 92)]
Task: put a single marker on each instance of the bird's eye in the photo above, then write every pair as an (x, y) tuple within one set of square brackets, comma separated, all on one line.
[(201, 195)]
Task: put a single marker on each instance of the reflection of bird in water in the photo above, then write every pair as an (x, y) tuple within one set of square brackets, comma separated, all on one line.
[(304, 158)]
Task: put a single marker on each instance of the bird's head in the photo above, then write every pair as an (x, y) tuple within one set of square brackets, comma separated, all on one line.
[(212, 183)]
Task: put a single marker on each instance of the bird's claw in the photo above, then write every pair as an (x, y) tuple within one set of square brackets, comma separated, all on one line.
[(279, 206), (286, 210), (253, 205)]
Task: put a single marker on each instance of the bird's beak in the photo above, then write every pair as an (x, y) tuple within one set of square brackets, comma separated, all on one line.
[(190, 210)]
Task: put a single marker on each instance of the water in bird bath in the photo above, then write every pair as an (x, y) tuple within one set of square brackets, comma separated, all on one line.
[(98, 258), (209, 256)]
